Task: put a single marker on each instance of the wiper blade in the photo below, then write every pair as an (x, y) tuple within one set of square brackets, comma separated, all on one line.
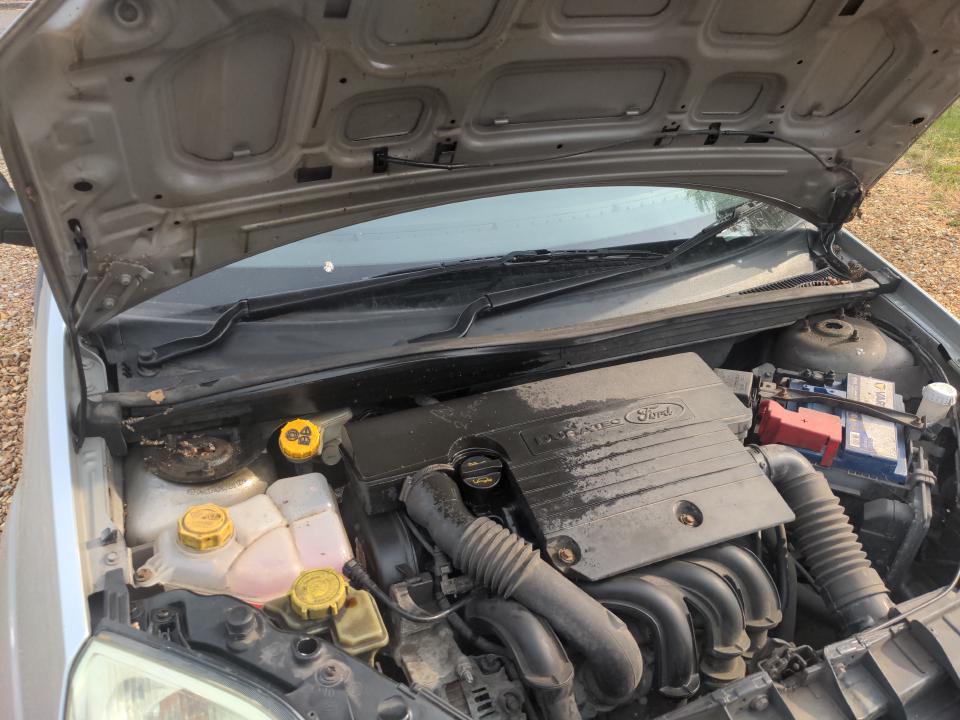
[(259, 308), (498, 301), (625, 252)]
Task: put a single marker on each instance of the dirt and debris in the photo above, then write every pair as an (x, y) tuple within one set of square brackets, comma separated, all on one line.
[(196, 448)]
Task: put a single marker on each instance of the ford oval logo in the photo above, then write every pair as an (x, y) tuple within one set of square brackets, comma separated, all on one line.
[(655, 413)]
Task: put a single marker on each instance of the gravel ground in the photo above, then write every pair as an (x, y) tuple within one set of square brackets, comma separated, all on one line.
[(905, 218), (915, 225), (18, 275)]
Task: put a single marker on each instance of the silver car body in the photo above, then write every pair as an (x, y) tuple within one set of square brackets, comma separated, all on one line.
[(51, 539)]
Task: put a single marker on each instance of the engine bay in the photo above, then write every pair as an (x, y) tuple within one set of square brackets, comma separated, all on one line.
[(618, 541), (601, 460)]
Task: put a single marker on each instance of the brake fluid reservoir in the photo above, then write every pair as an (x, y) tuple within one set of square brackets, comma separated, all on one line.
[(256, 549), (322, 597)]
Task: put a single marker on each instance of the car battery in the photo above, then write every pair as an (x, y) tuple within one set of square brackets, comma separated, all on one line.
[(863, 447)]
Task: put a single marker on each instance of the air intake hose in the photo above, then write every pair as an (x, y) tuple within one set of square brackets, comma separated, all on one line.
[(512, 568), (823, 534)]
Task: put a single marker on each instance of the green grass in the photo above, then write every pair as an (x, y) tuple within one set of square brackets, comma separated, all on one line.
[(937, 152)]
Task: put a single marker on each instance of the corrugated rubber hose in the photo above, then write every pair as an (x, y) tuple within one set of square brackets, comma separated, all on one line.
[(823, 534), (512, 568)]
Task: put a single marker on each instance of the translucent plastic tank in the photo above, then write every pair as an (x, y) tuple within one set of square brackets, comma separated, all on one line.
[(256, 549), (154, 504)]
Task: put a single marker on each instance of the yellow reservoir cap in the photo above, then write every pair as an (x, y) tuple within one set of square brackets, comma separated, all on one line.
[(204, 527), (300, 439), (317, 594)]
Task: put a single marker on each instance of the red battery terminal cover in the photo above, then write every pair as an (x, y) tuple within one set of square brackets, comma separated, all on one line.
[(808, 429)]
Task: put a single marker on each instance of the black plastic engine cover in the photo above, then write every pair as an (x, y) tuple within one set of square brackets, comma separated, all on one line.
[(622, 466)]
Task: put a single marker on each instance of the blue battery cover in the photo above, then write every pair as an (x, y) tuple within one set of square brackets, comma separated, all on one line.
[(871, 448)]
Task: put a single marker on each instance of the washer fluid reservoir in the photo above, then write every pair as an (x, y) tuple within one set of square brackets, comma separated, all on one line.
[(256, 549)]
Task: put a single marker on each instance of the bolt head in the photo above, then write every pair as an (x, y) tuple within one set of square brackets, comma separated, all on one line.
[(111, 558), (759, 703), (567, 556), (489, 664), (332, 674)]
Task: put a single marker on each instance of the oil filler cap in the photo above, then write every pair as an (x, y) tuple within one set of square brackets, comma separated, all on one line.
[(204, 527), (317, 594), (300, 440), (481, 472)]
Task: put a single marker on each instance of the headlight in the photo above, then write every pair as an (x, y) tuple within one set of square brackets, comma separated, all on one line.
[(119, 678)]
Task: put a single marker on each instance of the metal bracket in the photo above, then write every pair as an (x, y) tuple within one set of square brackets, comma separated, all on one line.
[(713, 134), (772, 391), (380, 162), (118, 282), (443, 152)]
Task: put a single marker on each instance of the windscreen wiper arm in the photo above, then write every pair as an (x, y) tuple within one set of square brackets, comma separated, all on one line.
[(498, 301), (273, 305)]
